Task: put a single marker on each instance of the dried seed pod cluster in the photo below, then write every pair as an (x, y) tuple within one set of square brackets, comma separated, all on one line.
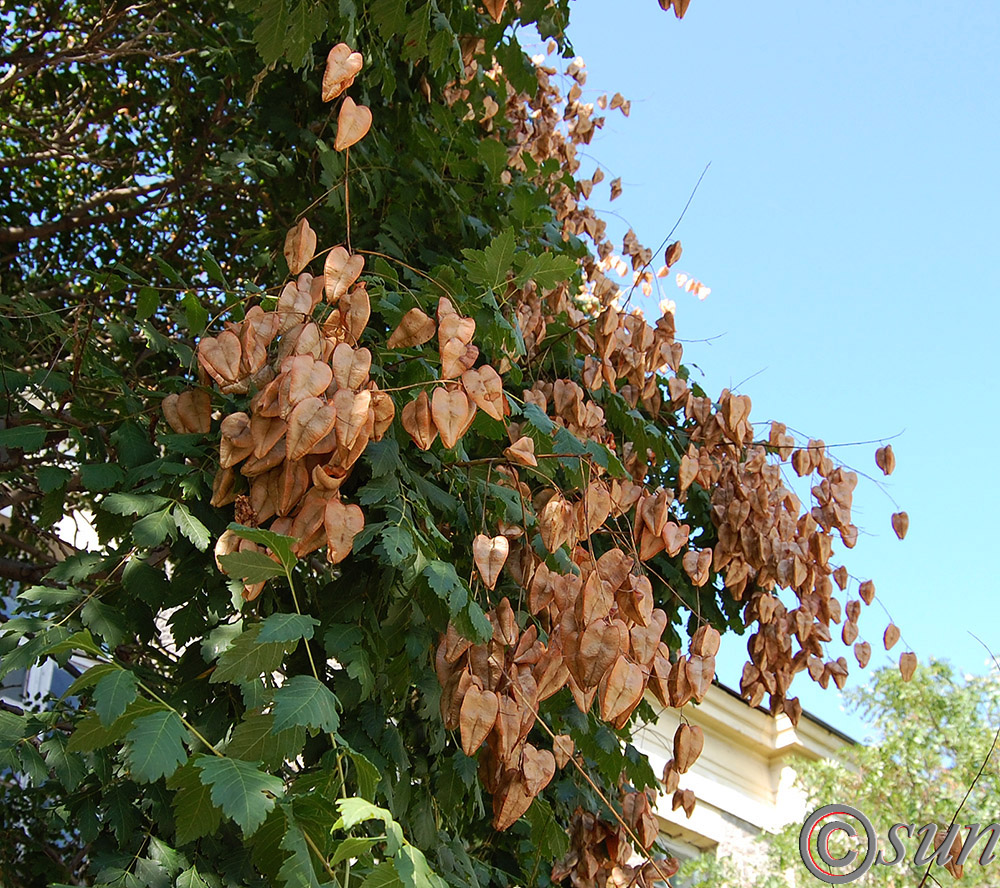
[(314, 411)]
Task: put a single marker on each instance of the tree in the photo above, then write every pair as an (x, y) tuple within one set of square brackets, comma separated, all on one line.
[(933, 736), (399, 509)]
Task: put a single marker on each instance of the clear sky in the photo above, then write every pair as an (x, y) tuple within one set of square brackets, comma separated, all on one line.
[(848, 228)]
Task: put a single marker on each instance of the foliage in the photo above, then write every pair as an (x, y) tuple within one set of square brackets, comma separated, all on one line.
[(464, 504)]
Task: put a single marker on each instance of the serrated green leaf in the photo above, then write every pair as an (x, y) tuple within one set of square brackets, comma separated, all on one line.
[(147, 301), (155, 745), (190, 878), (153, 529), (52, 478), (547, 270), (383, 876), (100, 476), (28, 438), (133, 503), (90, 734), (287, 627), (113, 694), (247, 659), (252, 567), (244, 793), (104, 620), (191, 527), (366, 774), (195, 813), (447, 585), (303, 700), (90, 678), (472, 623), (297, 870), (253, 740), (490, 266), (276, 542)]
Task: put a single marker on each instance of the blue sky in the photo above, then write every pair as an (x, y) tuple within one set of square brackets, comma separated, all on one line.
[(848, 227)]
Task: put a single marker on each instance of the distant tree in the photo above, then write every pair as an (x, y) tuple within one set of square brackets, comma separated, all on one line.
[(932, 735)]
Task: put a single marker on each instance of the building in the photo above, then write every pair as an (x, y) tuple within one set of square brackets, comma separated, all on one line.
[(744, 779)]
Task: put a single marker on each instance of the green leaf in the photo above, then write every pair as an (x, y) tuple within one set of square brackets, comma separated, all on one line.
[(254, 740), (389, 16), (280, 545), (447, 585), (383, 457), (243, 792), (397, 544), (106, 621), (195, 313), (113, 694), (248, 659), (383, 876), (547, 270), (100, 476), (367, 775), (133, 503), (90, 734), (287, 627), (52, 478), (155, 745), (153, 529), (493, 154), (472, 623), (269, 35), (147, 301), (190, 878), (90, 678), (490, 266), (354, 811), (191, 527), (414, 871), (352, 846), (305, 701), (195, 814), (76, 568), (297, 870), (213, 269), (28, 438), (252, 567)]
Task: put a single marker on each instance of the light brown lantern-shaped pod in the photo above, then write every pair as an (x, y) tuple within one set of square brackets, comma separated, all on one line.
[(414, 329), (477, 716), (453, 413), (351, 366), (900, 524), (340, 271), (907, 665), (220, 357), (342, 523), (353, 123), (189, 412), (522, 451), (342, 66), (885, 459), (689, 740), (485, 388), (310, 421), (418, 422), (300, 246), (490, 554)]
